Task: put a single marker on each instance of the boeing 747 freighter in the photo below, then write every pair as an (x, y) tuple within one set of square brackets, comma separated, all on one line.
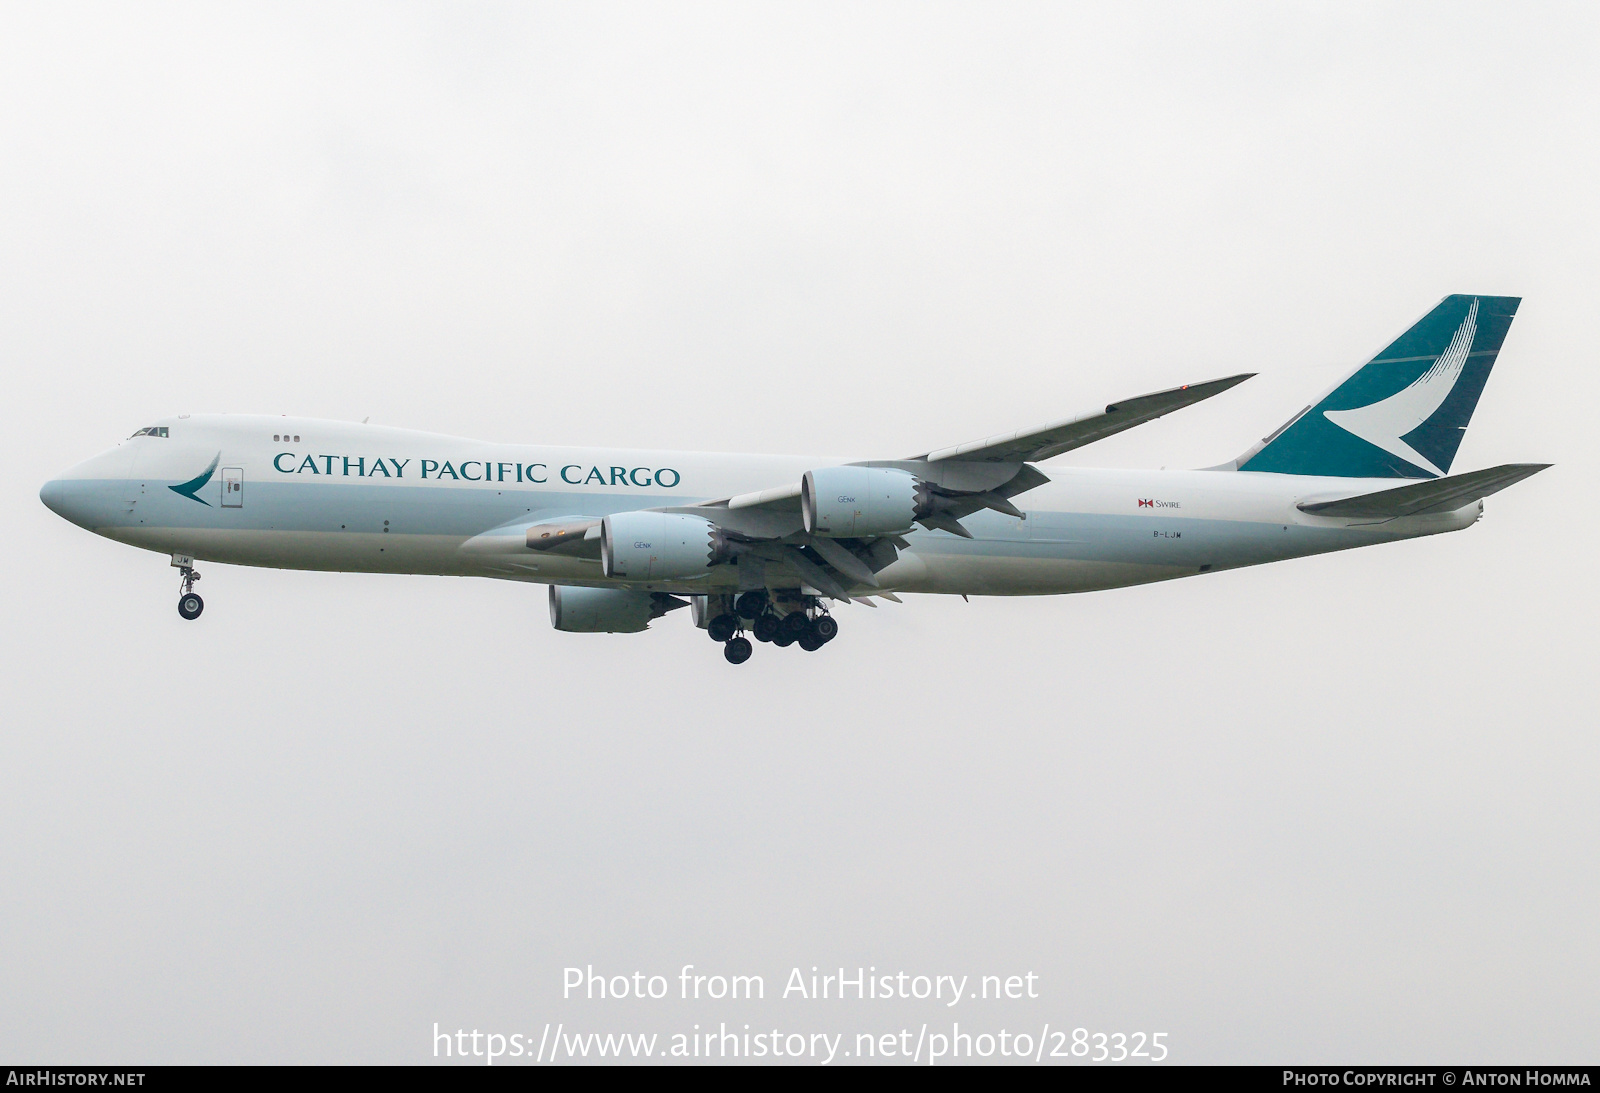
[(763, 545)]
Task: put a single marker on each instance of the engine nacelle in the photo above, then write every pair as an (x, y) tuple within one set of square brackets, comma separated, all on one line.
[(848, 502), (606, 610), (659, 546)]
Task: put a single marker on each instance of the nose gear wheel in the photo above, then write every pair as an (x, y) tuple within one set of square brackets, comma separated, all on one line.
[(189, 603)]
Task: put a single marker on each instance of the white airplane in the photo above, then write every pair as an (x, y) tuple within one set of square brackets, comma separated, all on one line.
[(764, 544)]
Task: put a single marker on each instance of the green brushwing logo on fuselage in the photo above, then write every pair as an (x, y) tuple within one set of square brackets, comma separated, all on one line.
[(190, 488)]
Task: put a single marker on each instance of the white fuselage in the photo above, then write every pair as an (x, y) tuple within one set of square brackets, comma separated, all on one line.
[(308, 494)]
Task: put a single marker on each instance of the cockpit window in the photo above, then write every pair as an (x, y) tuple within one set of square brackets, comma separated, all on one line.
[(151, 430)]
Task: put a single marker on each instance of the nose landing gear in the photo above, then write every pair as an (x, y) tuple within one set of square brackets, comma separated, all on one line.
[(189, 602)]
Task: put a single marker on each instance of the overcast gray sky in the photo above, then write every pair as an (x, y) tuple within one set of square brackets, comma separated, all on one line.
[(1336, 809)]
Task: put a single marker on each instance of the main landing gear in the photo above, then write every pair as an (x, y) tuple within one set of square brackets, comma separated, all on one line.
[(189, 602), (779, 618)]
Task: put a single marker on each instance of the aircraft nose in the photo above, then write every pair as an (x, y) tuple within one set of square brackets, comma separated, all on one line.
[(54, 495), (67, 499), (95, 493)]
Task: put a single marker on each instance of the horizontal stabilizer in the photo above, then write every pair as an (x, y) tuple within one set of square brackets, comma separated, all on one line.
[(1434, 495)]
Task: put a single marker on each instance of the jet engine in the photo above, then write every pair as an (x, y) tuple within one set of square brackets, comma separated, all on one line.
[(850, 502), (606, 610), (659, 546)]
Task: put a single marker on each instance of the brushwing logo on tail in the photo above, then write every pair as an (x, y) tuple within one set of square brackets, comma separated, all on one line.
[(195, 485), (1383, 424)]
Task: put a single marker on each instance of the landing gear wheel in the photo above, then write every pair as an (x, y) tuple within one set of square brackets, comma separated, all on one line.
[(751, 604), (723, 627), (738, 650), (794, 624), (825, 628), (783, 641), (809, 641), (766, 627)]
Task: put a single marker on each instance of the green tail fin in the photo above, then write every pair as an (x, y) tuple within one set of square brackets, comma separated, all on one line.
[(1403, 413)]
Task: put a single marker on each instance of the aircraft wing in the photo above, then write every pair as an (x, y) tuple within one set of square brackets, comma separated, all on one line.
[(1433, 495), (1044, 441), (1018, 448), (951, 483)]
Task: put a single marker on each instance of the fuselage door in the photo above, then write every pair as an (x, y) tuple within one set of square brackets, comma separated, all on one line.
[(233, 487)]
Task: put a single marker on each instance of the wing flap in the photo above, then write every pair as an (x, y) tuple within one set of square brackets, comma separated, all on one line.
[(1435, 495)]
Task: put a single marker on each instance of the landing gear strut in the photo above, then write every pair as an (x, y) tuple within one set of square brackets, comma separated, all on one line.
[(189, 602), (783, 619)]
